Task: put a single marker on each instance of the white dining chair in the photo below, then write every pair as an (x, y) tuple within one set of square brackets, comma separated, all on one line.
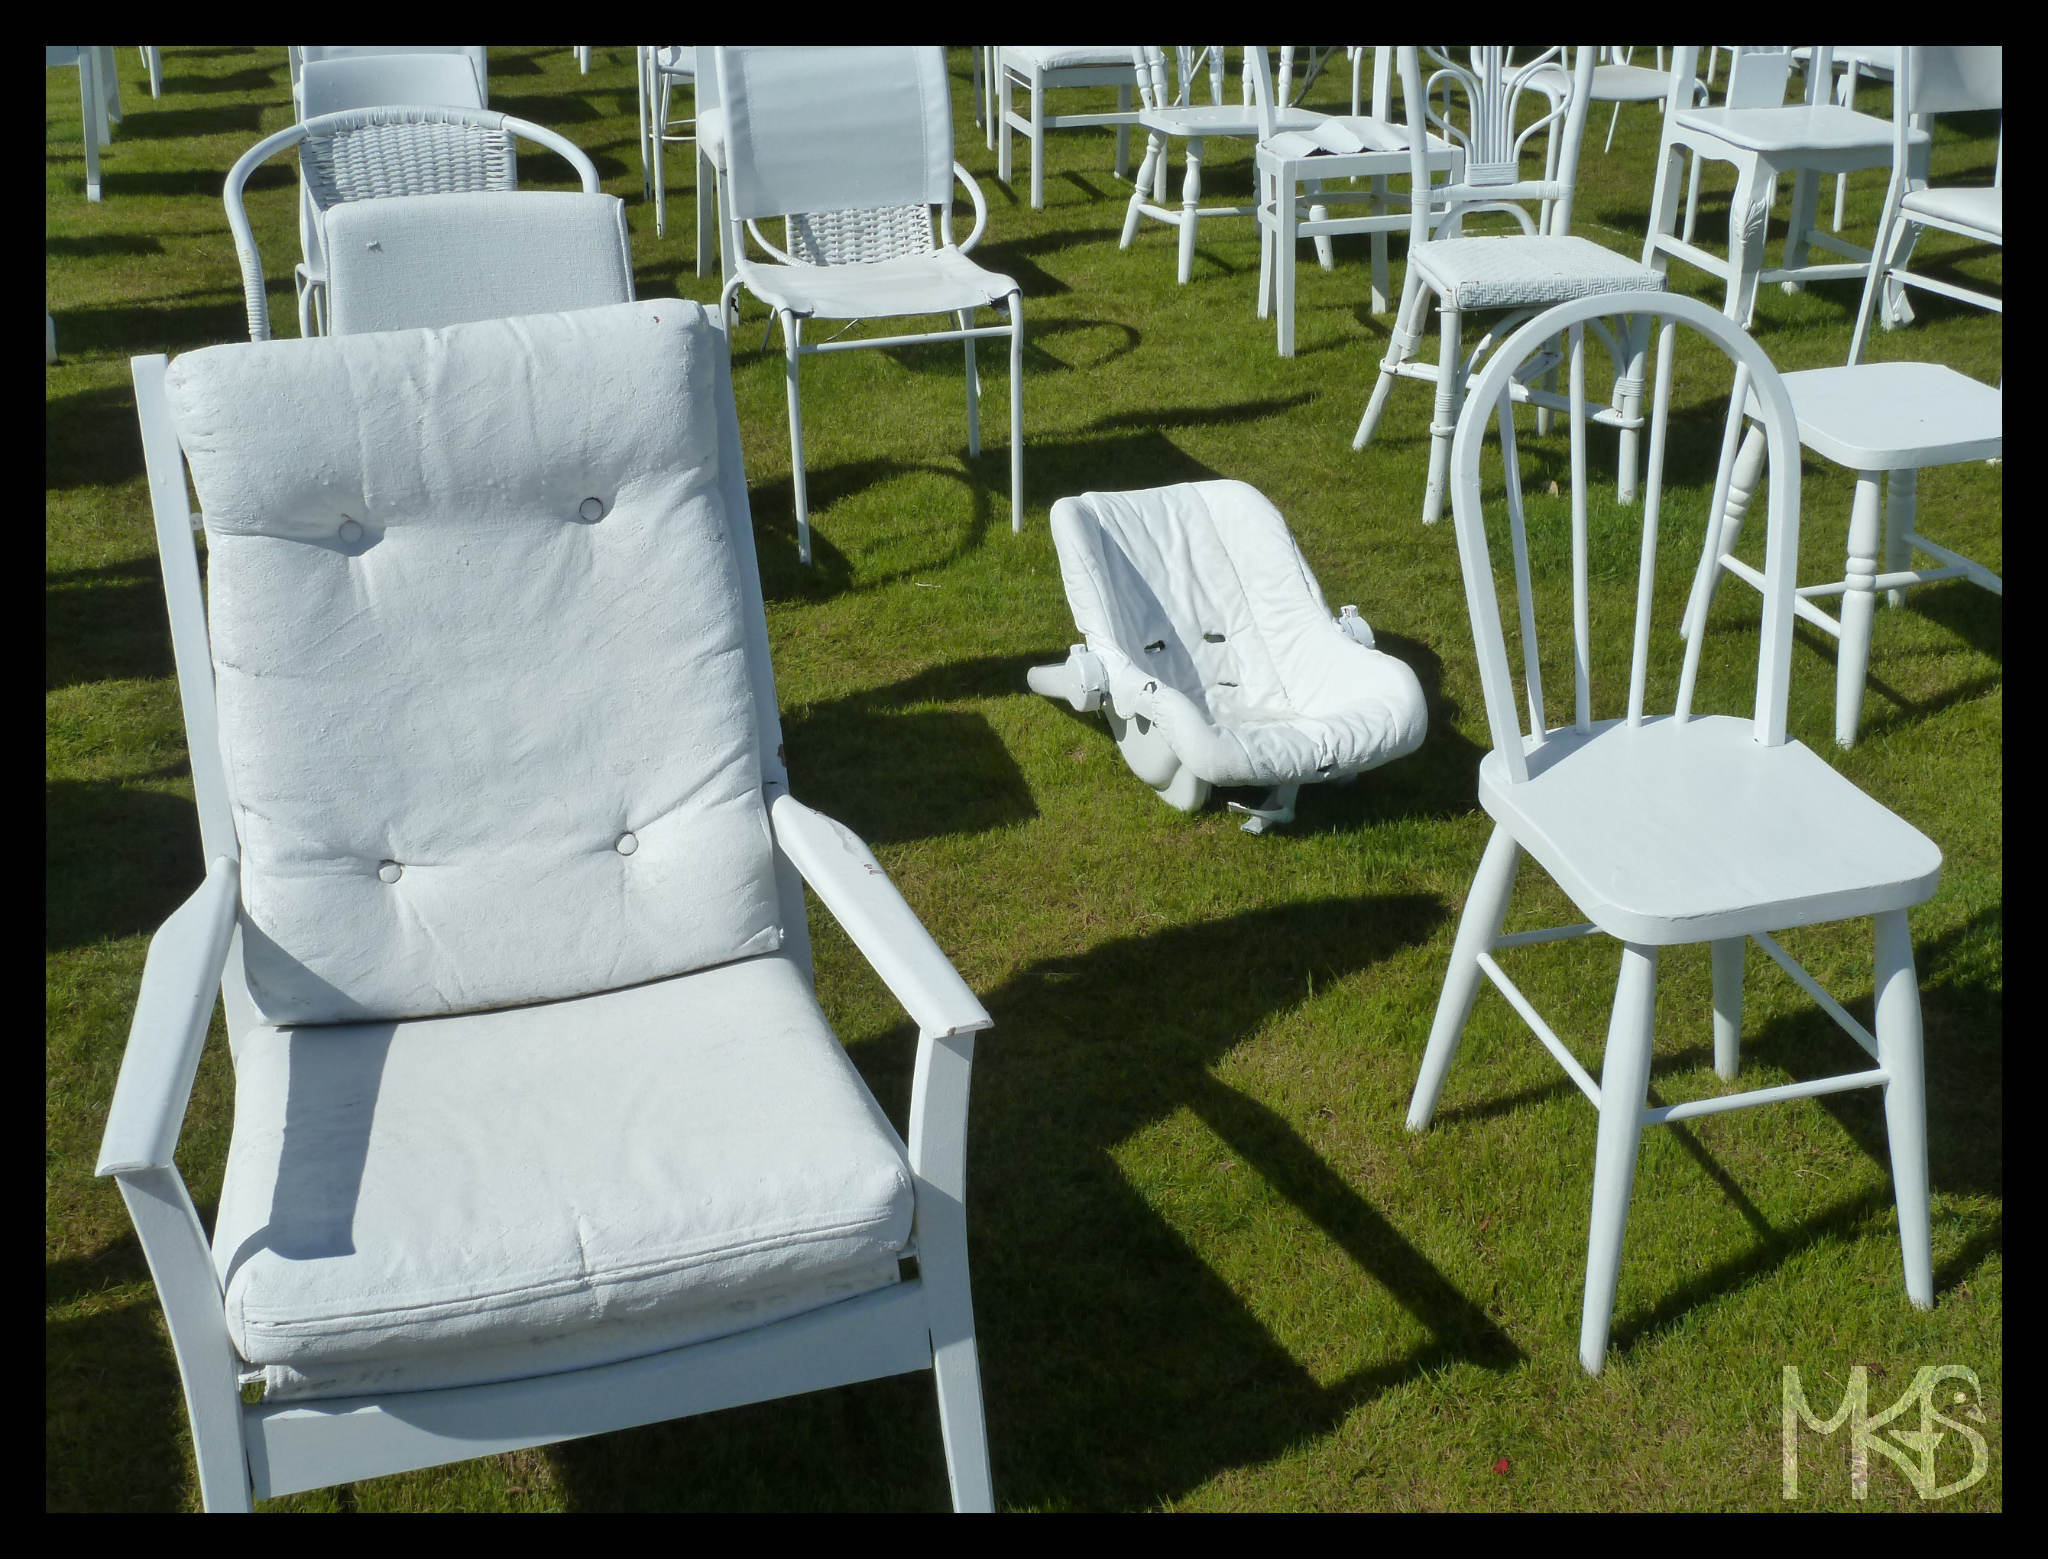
[(1675, 829), (1036, 69)]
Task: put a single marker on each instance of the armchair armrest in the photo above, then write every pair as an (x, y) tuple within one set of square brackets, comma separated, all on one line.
[(179, 982), (845, 875)]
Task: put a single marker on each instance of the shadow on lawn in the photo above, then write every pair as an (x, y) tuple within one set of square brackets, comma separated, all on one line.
[(1118, 1368), (105, 624)]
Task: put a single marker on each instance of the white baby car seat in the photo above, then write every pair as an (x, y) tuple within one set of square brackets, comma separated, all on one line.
[(1210, 649)]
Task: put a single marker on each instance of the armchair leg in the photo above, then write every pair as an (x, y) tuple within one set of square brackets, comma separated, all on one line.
[(1486, 907), (1728, 1005), (791, 331), (1624, 1084), (1905, 1099)]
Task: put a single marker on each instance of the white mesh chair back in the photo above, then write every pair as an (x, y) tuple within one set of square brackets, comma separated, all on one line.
[(1755, 382), (368, 81), (437, 260), (830, 130), (1481, 111)]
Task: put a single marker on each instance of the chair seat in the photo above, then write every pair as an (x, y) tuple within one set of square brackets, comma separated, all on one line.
[(1630, 84), (1519, 271), (1896, 416), (1068, 56), (1798, 127), (1204, 120), (1344, 135), (1981, 209), (1673, 833), (938, 283), (501, 1194)]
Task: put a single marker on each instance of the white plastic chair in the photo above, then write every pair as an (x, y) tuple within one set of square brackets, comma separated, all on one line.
[(853, 148), (1763, 137), (1951, 79), (1210, 650), (377, 153), (1169, 114), (1675, 829), (539, 1130), (1036, 69), (1294, 169), (1521, 273)]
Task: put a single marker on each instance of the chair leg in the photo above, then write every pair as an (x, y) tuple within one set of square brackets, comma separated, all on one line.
[(1749, 218), (1631, 406), (1799, 231), (1624, 1084), (963, 1427), (1326, 256), (1155, 159), (1016, 413), (646, 155), (791, 328), (1285, 257), (992, 70), (1380, 287), (1905, 1099), (1037, 143), (1123, 134), (153, 57), (1901, 498), (1859, 605), (1742, 480), (89, 107), (1486, 908), (1613, 119), (1190, 201), (1728, 1005), (1450, 395), (965, 317), (1268, 200), (707, 210), (1400, 343), (999, 129), (658, 125)]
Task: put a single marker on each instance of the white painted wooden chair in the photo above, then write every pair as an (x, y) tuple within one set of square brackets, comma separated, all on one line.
[(539, 1129), (381, 153), (1295, 168), (1944, 80), (1520, 273), (1169, 114), (1036, 69), (80, 56), (1667, 830), (1210, 650), (666, 69), (853, 149), (1764, 137)]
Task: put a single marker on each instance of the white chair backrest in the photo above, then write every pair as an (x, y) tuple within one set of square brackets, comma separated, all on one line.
[(561, 540), (1757, 76), (1756, 383), (1156, 90), (835, 129), (433, 260), (1492, 83), (1952, 79), (478, 56), (368, 81)]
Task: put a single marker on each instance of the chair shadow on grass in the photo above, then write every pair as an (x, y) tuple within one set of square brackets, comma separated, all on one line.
[(1118, 1368), (105, 624), (161, 124)]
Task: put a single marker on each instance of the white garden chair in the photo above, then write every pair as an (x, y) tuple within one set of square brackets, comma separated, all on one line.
[(665, 69), (1170, 114), (1674, 829), (853, 148), (80, 56), (1520, 273), (1951, 79), (1210, 650), (374, 154), (539, 1129), (1036, 69), (1295, 168), (1763, 137), (300, 54)]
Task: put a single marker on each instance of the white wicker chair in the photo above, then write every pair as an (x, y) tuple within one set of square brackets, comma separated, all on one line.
[(375, 153), (853, 148)]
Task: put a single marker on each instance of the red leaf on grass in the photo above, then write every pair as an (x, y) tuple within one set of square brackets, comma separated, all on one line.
[(1501, 1466)]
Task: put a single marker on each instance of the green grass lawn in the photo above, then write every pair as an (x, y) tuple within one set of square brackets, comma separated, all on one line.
[(1212, 1271)]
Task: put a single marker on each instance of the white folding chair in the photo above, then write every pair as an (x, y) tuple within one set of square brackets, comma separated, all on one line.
[(540, 1131), (1668, 830), (1520, 272), (378, 153), (853, 148)]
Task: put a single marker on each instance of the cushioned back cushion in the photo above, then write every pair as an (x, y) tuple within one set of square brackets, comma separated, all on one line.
[(419, 260), (481, 662)]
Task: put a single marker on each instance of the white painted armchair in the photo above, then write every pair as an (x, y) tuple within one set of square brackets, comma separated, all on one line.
[(539, 1129)]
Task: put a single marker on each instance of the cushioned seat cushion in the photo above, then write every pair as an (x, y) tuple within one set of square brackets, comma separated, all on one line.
[(1521, 271), (480, 654), (1067, 56), (405, 264), (495, 1195), (1210, 623), (1981, 207)]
